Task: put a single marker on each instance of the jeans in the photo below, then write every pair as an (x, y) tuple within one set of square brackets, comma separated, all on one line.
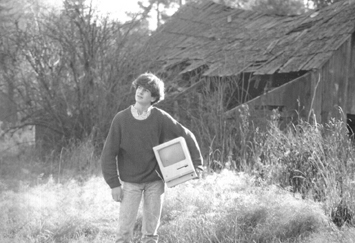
[(153, 196)]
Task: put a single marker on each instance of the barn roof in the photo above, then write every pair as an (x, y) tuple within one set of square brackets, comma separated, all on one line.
[(230, 41)]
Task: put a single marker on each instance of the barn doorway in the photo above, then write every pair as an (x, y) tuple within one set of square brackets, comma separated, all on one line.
[(350, 120)]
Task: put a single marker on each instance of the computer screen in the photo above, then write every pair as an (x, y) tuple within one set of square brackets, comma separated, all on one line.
[(174, 161), (171, 154)]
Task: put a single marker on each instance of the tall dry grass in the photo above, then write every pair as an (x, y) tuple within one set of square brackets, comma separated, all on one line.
[(297, 185), (316, 161), (54, 212), (223, 207)]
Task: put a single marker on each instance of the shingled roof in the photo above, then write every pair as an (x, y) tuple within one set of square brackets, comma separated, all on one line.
[(230, 41)]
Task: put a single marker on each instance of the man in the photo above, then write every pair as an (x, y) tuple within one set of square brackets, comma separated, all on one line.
[(128, 163)]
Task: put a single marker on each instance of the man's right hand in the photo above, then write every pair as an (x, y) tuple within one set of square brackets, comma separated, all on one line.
[(117, 194)]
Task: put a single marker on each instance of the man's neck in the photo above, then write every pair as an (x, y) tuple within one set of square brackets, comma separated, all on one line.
[(141, 107)]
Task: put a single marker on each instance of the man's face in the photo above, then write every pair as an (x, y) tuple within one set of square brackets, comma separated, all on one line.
[(144, 96)]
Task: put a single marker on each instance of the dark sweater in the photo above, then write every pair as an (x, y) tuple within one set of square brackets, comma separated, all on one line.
[(131, 142)]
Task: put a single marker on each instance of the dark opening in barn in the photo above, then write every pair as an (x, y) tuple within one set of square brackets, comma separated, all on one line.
[(351, 124)]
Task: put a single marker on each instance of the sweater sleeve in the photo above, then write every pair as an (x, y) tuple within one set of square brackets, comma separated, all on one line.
[(173, 129), (110, 153)]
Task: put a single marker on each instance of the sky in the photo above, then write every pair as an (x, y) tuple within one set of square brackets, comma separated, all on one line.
[(115, 8), (118, 8)]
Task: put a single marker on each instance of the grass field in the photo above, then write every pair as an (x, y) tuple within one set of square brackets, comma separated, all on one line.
[(223, 207), (64, 198)]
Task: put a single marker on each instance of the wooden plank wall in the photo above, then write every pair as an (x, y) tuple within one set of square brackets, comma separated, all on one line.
[(326, 91), (334, 84), (292, 96), (350, 109)]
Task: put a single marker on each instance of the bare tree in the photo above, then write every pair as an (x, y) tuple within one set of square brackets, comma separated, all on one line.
[(72, 71)]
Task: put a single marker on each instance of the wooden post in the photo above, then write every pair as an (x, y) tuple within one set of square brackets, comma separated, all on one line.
[(314, 101), (347, 66), (351, 77)]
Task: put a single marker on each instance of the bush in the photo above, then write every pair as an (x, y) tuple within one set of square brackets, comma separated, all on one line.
[(230, 208), (316, 161)]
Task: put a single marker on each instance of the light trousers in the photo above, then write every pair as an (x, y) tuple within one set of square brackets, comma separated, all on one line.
[(153, 197)]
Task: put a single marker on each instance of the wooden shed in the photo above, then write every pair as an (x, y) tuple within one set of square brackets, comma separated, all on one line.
[(302, 65)]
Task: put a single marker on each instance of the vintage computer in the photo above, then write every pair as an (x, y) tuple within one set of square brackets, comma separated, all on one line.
[(175, 161)]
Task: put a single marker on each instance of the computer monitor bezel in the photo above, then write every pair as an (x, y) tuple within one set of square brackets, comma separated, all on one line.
[(175, 170)]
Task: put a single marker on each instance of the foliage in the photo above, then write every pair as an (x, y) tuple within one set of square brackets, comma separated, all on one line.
[(313, 160), (237, 212), (202, 107), (21, 161), (295, 182), (322, 3), (6, 12), (70, 72), (280, 7), (161, 9), (224, 207)]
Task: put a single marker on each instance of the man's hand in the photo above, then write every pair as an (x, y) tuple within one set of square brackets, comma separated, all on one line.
[(117, 194)]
